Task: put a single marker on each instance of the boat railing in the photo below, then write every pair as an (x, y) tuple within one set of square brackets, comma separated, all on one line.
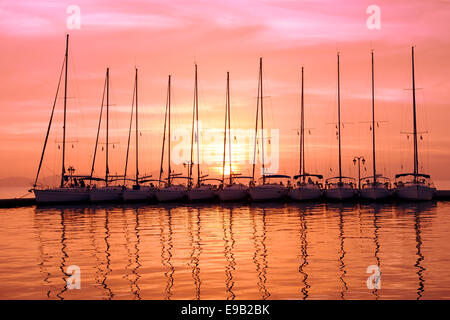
[(405, 179), (367, 182), (340, 181)]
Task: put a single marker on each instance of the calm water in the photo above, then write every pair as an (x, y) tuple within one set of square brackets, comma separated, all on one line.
[(270, 251)]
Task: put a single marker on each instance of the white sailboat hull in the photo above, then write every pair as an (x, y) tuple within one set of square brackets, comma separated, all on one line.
[(170, 194), (307, 192), (61, 195), (199, 194), (416, 192), (374, 193), (340, 193), (106, 194), (267, 192), (143, 194), (233, 193)]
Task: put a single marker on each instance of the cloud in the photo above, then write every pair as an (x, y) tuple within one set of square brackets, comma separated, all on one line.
[(130, 20)]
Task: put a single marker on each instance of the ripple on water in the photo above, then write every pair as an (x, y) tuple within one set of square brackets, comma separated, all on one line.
[(210, 251)]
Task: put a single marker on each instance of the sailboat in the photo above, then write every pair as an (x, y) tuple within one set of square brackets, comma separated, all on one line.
[(107, 193), (340, 187), (264, 191), (72, 188), (232, 191), (308, 186), (377, 186), (414, 186), (137, 192), (170, 191), (201, 191)]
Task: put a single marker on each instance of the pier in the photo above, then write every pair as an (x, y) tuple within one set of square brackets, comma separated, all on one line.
[(441, 195)]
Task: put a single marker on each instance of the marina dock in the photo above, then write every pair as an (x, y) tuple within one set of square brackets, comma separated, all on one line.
[(441, 195)]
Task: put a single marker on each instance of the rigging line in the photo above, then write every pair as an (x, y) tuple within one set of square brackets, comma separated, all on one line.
[(98, 129), (164, 137), (256, 133), (50, 123), (129, 132)]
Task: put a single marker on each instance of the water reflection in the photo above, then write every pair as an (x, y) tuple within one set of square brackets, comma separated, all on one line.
[(227, 222), (237, 249), (419, 211), (260, 254), (99, 275), (342, 255), (64, 255), (195, 241), (166, 249), (136, 254), (376, 231), (133, 255), (303, 254)]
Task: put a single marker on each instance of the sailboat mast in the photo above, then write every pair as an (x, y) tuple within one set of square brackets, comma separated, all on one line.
[(302, 134), (256, 134), (197, 132), (107, 126), (416, 157), (373, 122), (63, 170), (229, 124), (191, 163), (262, 121), (164, 137), (168, 151), (339, 119), (225, 133), (137, 129)]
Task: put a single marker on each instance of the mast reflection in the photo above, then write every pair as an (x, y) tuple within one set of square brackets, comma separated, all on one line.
[(64, 255), (341, 208), (108, 270), (43, 257), (133, 261), (195, 240), (92, 233), (227, 223), (376, 230), (166, 250), (420, 256), (136, 255), (260, 253), (303, 253)]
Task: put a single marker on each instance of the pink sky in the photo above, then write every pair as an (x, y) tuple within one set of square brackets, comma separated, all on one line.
[(167, 37)]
